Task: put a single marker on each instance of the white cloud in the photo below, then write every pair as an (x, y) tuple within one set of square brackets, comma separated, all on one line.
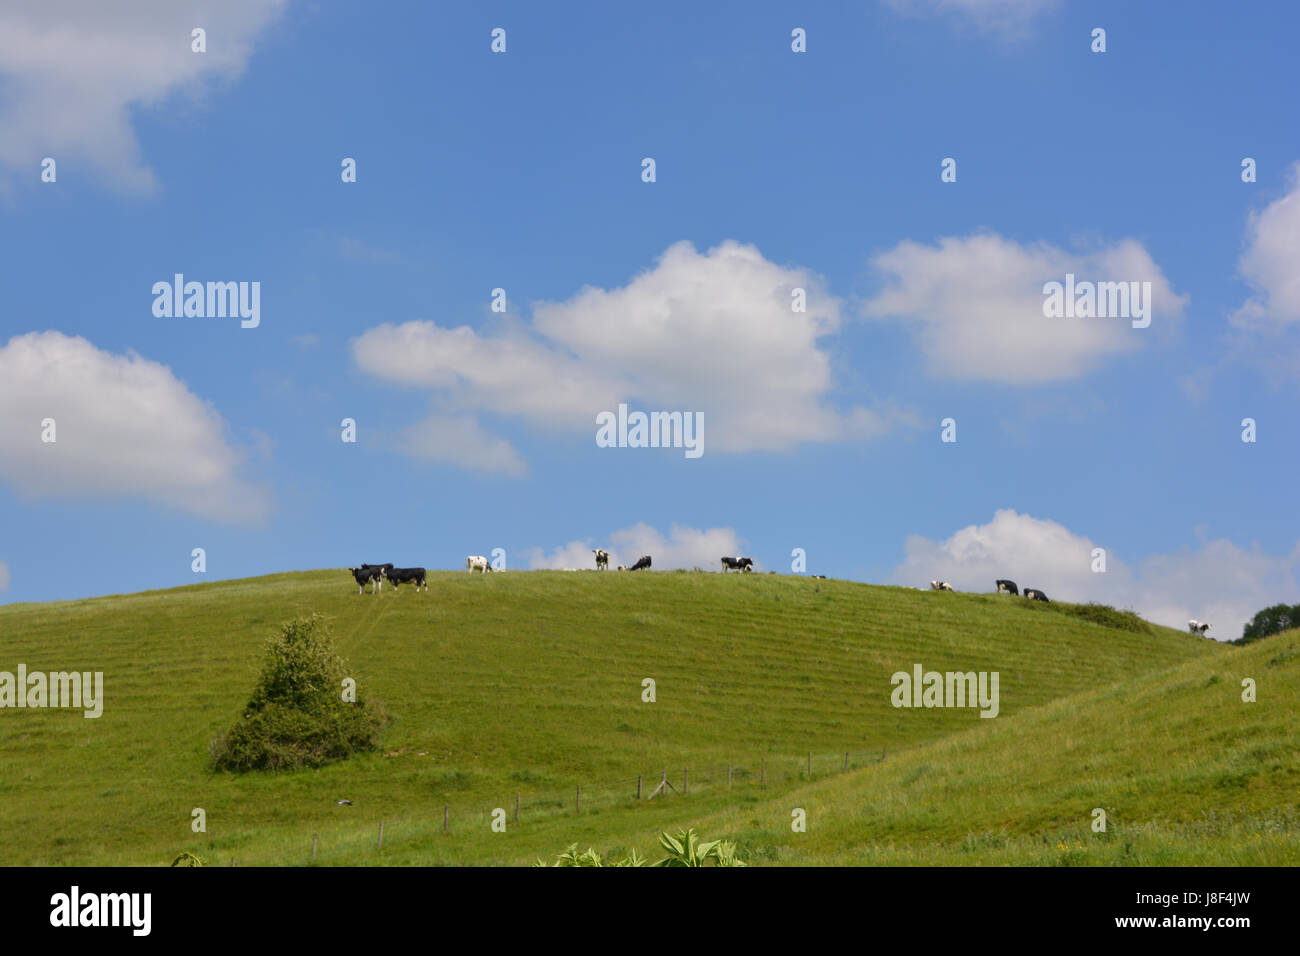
[(1218, 582), (711, 332), (125, 426), (4, 576), (73, 71), (1007, 18), (682, 548), (1271, 263), (459, 440), (975, 306)]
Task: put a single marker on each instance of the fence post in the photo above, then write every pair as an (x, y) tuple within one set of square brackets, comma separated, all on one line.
[(846, 760), (313, 845), (882, 753), (762, 773), (444, 818), (381, 834), (686, 782), (638, 786), (810, 765), (728, 775), (516, 806), (579, 800)]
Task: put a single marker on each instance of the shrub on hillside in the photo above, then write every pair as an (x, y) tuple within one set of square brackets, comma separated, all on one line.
[(1102, 614), (1271, 620), (685, 849), (297, 716)]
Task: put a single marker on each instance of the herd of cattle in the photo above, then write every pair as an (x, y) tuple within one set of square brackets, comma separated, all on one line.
[(376, 574), (1004, 586)]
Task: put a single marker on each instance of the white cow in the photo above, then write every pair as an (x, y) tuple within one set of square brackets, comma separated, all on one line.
[(476, 562), (940, 586), (1197, 627)]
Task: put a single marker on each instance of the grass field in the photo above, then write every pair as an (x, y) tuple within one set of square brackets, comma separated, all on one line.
[(531, 683)]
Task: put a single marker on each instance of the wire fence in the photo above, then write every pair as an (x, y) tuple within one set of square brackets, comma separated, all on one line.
[(522, 806)]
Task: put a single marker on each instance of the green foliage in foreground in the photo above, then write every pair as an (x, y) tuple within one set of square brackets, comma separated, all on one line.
[(685, 849), (297, 716)]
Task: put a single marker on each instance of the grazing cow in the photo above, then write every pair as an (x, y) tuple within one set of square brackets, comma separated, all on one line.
[(621, 568), (1008, 586), (1035, 595), (641, 562), (372, 574), (819, 576), (940, 586), (1198, 627), (737, 564), (602, 559), (476, 562), (416, 576)]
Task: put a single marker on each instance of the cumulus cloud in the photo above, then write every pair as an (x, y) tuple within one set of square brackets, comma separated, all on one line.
[(975, 306), (1218, 582), (1270, 263), (1007, 18), (713, 333), (460, 441), (73, 70), (682, 547), (125, 426)]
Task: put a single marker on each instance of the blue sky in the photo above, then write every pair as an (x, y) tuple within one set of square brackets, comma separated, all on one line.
[(522, 170)]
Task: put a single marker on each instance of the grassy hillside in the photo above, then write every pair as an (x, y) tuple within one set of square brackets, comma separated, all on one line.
[(531, 683)]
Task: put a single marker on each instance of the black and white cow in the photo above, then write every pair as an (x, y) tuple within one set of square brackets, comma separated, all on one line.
[(622, 568), (416, 576), (737, 564), (1008, 586), (372, 574), (940, 586), (1198, 627), (641, 562), (1035, 595), (476, 562), (602, 559)]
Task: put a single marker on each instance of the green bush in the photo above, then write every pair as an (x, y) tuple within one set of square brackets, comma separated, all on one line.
[(685, 849), (1102, 614), (297, 716), (1271, 620)]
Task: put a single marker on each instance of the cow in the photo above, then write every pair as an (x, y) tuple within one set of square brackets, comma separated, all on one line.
[(416, 576), (476, 562), (372, 574), (602, 559), (1197, 627), (641, 562), (940, 586), (737, 564), (1008, 586), (622, 568), (821, 577), (1035, 595)]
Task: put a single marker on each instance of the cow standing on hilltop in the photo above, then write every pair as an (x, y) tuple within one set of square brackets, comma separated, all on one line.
[(1008, 586), (602, 559), (737, 564)]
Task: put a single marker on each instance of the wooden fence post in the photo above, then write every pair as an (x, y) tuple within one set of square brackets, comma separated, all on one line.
[(313, 845), (516, 806), (686, 782), (444, 818), (810, 765), (728, 775), (762, 773), (381, 834), (846, 760), (579, 800), (638, 786)]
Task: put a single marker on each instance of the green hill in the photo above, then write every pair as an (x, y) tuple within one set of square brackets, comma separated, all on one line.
[(531, 684)]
